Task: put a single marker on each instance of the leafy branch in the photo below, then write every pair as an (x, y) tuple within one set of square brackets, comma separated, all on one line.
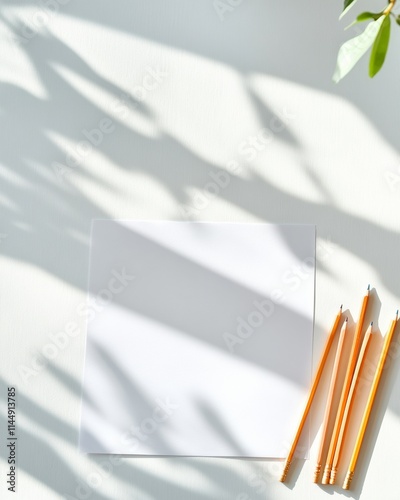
[(376, 34)]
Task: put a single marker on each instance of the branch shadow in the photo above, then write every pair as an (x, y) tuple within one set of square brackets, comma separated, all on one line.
[(48, 219)]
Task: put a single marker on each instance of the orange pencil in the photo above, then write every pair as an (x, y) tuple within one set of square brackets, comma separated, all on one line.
[(345, 390), (329, 399), (347, 410), (311, 395), (370, 402)]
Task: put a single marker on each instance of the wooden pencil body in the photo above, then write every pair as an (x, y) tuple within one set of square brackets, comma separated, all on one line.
[(349, 402), (369, 405), (329, 400), (345, 391), (310, 398)]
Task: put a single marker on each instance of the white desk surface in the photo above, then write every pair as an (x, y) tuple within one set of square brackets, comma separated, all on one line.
[(187, 96)]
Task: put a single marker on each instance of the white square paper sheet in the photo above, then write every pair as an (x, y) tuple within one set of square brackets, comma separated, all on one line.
[(199, 337)]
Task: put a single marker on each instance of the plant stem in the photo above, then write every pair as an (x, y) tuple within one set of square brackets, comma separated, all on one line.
[(389, 8)]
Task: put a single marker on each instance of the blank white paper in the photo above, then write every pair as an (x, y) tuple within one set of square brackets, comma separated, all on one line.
[(199, 337)]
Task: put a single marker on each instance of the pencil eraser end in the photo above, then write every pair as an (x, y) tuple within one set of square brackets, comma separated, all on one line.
[(347, 481), (327, 475), (316, 473), (282, 479), (332, 479)]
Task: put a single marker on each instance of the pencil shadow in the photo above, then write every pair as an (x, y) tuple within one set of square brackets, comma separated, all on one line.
[(373, 310), (385, 394), (294, 474)]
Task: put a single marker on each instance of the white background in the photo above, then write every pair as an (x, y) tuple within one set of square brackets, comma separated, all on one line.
[(69, 68)]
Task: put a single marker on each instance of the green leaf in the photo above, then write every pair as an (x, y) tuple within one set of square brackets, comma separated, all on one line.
[(364, 16), (352, 50), (398, 19), (379, 48), (368, 15), (348, 4)]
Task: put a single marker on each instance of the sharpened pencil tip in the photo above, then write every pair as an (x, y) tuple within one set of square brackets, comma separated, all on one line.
[(369, 288), (371, 323), (347, 319), (397, 313), (341, 307)]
